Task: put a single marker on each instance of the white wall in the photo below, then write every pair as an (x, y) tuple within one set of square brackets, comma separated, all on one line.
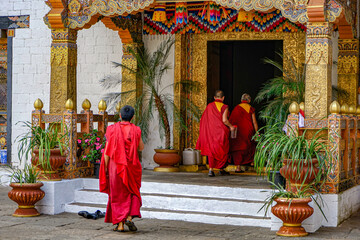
[(98, 47), (152, 42), (31, 62)]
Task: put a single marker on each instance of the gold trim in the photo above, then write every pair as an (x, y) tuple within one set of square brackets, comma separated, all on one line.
[(30, 206), (34, 215), (166, 169), (166, 151), (292, 224), (292, 235), (293, 47)]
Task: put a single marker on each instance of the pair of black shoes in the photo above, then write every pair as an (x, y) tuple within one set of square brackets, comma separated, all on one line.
[(98, 214)]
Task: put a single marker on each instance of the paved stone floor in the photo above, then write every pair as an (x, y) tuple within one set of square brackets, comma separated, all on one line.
[(239, 180), (71, 226)]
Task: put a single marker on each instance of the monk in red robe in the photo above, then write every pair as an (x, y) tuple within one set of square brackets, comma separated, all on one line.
[(242, 148), (214, 134), (120, 171)]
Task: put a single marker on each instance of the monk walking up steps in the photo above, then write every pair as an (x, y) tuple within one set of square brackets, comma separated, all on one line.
[(242, 148), (120, 171), (214, 134)]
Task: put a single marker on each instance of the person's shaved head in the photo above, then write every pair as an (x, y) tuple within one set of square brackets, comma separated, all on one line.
[(219, 94)]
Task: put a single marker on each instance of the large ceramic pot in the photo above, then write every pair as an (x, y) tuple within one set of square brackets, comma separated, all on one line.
[(26, 195), (299, 174), (292, 215), (166, 158), (56, 160)]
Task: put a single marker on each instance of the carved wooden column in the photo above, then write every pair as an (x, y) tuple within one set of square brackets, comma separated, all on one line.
[(70, 128), (103, 123), (131, 84), (348, 70), (36, 115), (88, 126), (318, 69), (63, 68), (334, 133)]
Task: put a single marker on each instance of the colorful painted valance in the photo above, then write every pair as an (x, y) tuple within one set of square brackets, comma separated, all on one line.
[(262, 22)]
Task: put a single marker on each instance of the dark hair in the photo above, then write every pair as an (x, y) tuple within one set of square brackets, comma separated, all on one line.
[(219, 94), (127, 113)]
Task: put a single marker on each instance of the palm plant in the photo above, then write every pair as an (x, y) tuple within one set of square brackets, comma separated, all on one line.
[(281, 91), (151, 68), (42, 139)]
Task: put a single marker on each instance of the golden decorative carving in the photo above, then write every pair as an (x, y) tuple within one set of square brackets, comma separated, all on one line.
[(86, 104), (294, 108), (344, 109), (118, 107), (318, 69), (334, 107), (63, 68), (74, 6), (129, 78), (293, 44), (302, 106), (69, 105), (38, 104), (352, 109), (102, 105), (358, 110), (348, 69)]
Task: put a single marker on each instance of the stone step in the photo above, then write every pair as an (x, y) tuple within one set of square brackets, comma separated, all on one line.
[(210, 204), (189, 216), (194, 190)]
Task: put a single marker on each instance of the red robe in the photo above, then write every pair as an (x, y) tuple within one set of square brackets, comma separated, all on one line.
[(214, 135), (242, 148), (124, 172)]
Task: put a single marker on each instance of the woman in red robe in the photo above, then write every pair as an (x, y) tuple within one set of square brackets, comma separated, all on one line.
[(120, 171), (242, 148)]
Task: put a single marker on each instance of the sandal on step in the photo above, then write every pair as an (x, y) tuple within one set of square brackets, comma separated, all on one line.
[(131, 225)]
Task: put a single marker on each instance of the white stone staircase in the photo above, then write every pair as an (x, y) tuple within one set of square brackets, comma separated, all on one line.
[(187, 202)]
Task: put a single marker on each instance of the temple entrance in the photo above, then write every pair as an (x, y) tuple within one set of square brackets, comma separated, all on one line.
[(237, 67)]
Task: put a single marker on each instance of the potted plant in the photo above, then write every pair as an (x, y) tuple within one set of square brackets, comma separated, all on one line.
[(303, 162), (25, 190), (149, 74), (46, 148), (92, 148)]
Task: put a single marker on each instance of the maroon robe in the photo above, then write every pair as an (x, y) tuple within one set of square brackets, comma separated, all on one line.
[(214, 135), (242, 148), (124, 172)]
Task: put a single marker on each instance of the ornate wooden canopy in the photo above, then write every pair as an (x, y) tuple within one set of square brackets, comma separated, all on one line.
[(78, 14)]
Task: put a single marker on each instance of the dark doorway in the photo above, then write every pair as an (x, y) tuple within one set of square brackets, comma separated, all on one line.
[(237, 67)]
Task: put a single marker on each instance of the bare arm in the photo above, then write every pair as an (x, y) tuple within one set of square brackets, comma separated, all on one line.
[(254, 122), (106, 159), (226, 120), (141, 145)]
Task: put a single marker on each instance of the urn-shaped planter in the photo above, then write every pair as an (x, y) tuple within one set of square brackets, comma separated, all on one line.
[(292, 211), (166, 158), (49, 171), (26, 195), (299, 173)]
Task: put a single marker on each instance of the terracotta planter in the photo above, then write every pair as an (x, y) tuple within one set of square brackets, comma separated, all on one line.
[(292, 216), (26, 195), (56, 161), (295, 175), (166, 158)]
